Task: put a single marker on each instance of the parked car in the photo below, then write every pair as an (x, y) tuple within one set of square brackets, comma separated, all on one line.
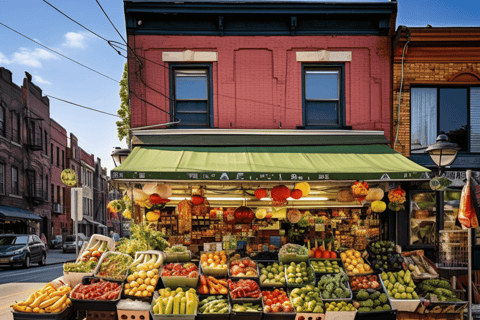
[(22, 249), (69, 245), (56, 242)]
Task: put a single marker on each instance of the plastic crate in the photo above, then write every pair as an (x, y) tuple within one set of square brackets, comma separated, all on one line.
[(95, 237), (101, 315), (99, 265), (222, 316), (387, 315), (133, 315), (97, 305), (42, 316), (246, 315)]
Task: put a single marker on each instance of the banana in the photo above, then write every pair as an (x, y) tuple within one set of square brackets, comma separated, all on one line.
[(39, 300), (49, 302), (28, 301), (57, 304), (36, 310), (17, 307)]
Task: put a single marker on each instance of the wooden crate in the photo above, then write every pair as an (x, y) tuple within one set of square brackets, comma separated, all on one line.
[(101, 315), (133, 315), (401, 315)]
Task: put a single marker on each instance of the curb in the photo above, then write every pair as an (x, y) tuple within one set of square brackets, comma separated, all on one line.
[(60, 262)]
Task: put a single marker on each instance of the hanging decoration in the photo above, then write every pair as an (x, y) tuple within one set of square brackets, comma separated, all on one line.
[(359, 190), (260, 193), (294, 215), (153, 215), (150, 188), (279, 195), (201, 209), (397, 198), (197, 200), (229, 216), (164, 191), (440, 183), (345, 196), (184, 208), (115, 206), (296, 194), (375, 194), (304, 187), (378, 206), (261, 213), (244, 214)]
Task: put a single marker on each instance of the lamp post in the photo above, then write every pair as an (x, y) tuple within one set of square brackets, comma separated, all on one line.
[(119, 155), (443, 153)]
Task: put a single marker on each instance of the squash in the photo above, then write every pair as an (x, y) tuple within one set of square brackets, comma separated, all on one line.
[(345, 196), (304, 186), (378, 206), (375, 194), (153, 216)]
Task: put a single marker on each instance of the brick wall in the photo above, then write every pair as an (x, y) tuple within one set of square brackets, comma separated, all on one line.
[(59, 139), (257, 81)]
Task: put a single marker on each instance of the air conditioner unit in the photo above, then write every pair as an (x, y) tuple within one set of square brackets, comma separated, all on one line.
[(57, 208)]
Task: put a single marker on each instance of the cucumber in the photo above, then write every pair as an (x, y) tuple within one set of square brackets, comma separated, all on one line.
[(183, 307), (176, 305), (169, 307)]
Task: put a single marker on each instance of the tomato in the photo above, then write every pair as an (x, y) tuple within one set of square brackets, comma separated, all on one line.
[(276, 309), (276, 293), (268, 302), (275, 300)]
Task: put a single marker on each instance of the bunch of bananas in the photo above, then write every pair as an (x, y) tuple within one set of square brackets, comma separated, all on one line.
[(46, 300)]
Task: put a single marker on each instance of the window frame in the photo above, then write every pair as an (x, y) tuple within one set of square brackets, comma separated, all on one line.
[(3, 110), (438, 87), (15, 183), (341, 93), (192, 66), (3, 179)]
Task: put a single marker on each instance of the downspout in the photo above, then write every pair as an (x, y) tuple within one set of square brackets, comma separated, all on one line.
[(401, 87)]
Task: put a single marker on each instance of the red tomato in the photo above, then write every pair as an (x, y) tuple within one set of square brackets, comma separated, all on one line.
[(268, 302), (276, 309), (275, 300)]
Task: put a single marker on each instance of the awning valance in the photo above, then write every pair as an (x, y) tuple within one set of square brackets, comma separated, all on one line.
[(12, 213), (267, 163)]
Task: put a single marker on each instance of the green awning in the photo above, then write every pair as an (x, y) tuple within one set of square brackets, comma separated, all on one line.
[(267, 163)]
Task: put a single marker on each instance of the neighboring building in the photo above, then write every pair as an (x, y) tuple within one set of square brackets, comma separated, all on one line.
[(261, 64), (87, 167), (114, 224), (58, 191), (440, 93), (100, 197), (73, 162)]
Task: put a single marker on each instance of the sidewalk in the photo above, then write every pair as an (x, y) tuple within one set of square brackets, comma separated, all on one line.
[(57, 256)]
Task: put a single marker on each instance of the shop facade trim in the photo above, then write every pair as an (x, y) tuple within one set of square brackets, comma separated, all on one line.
[(190, 56), (324, 56)]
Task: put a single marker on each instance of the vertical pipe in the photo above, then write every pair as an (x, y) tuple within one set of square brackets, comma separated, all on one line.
[(470, 273)]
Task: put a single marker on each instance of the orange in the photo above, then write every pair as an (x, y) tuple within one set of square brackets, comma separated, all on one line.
[(354, 262), (350, 267), (358, 254), (355, 270)]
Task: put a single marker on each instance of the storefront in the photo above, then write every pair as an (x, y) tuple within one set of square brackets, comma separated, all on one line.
[(18, 221)]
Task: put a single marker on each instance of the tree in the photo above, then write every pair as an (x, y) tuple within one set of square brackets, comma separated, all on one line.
[(124, 111)]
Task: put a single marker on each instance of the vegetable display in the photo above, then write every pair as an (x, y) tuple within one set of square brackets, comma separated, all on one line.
[(175, 302), (354, 263), (339, 306), (399, 285), (244, 288), (189, 270), (143, 238), (307, 299), (383, 256), (214, 260), (334, 287), (211, 285), (326, 266), (83, 266), (144, 275), (94, 251), (247, 307), (299, 274), (291, 250), (214, 305), (419, 267), (245, 267), (439, 288), (45, 300), (103, 290), (114, 266), (372, 302), (272, 275), (364, 282), (276, 301)]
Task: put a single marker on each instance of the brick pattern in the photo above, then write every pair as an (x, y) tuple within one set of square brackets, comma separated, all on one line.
[(418, 73), (257, 81)]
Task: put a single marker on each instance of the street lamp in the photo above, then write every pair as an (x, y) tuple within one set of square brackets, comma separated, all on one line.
[(443, 153), (119, 155)]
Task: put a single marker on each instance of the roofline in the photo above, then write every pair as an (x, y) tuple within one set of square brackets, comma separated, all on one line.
[(433, 36), (160, 132)]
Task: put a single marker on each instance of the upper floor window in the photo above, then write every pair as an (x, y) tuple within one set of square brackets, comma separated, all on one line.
[(16, 127), (191, 90), (15, 190), (452, 111), (58, 157), (45, 136), (2, 178), (2, 120), (323, 96), (51, 153), (63, 159)]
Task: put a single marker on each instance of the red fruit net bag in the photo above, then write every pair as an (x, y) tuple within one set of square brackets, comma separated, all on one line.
[(466, 214)]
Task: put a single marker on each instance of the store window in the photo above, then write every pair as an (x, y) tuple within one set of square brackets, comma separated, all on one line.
[(191, 91), (15, 190), (2, 178), (2, 120), (323, 96), (452, 111)]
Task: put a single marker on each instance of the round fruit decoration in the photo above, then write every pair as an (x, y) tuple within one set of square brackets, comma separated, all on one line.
[(244, 214), (69, 177), (155, 198), (378, 206), (164, 191), (294, 215), (296, 194), (153, 216), (279, 195), (260, 193), (360, 190), (304, 187), (197, 200)]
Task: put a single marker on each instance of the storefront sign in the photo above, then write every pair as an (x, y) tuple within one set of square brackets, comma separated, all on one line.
[(458, 178)]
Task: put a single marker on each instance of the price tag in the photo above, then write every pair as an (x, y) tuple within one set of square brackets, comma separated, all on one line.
[(319, 227), (334, 224)]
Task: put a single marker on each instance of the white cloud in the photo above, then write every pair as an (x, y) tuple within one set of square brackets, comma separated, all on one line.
[(4, 59), (32, 58), (76, 40), (38, 79)]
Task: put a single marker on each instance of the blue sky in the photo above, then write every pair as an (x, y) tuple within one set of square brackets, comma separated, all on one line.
[(62, 78)]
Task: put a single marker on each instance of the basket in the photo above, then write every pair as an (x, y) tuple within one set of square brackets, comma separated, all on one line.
[(270, 285), (170, 316), (95, 237), (174, 282), (97, 305), (42, 316), (178, 257), (214, 272), (286, 259), (339, 261), (97, 269), (341, 299), (219, 316), (387, 315), (243, 277), (296, 285), (101, 315), (74, 278), (251, 315), (133, 315)]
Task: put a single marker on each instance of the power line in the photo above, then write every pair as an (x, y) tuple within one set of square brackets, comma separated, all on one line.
[(106, 15), (78, 105), (58, 53)]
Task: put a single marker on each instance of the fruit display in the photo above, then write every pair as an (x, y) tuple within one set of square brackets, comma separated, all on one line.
[(371, 302), (244, 215), (327, 266), (211, 285), (114, 266), (399, 285), (46, 300), (339, 306), (177, 253), (307, 299), (94, 250), (189, 270), (82, 266), (439, 288), (214, 305), (244, 288), (144, 275), (214, 263), (319, 252), (272, 275), (364, 282), (244, 267), (383, 256), (175, 302), (420, 267), (293, 252), (334, 287), (246, 307), (354, 263), (299, 274), (276, 301), (102, 290)]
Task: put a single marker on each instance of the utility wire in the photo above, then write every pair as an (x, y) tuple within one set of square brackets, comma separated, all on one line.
[(78, 105), (58, 53), (106, 15)]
